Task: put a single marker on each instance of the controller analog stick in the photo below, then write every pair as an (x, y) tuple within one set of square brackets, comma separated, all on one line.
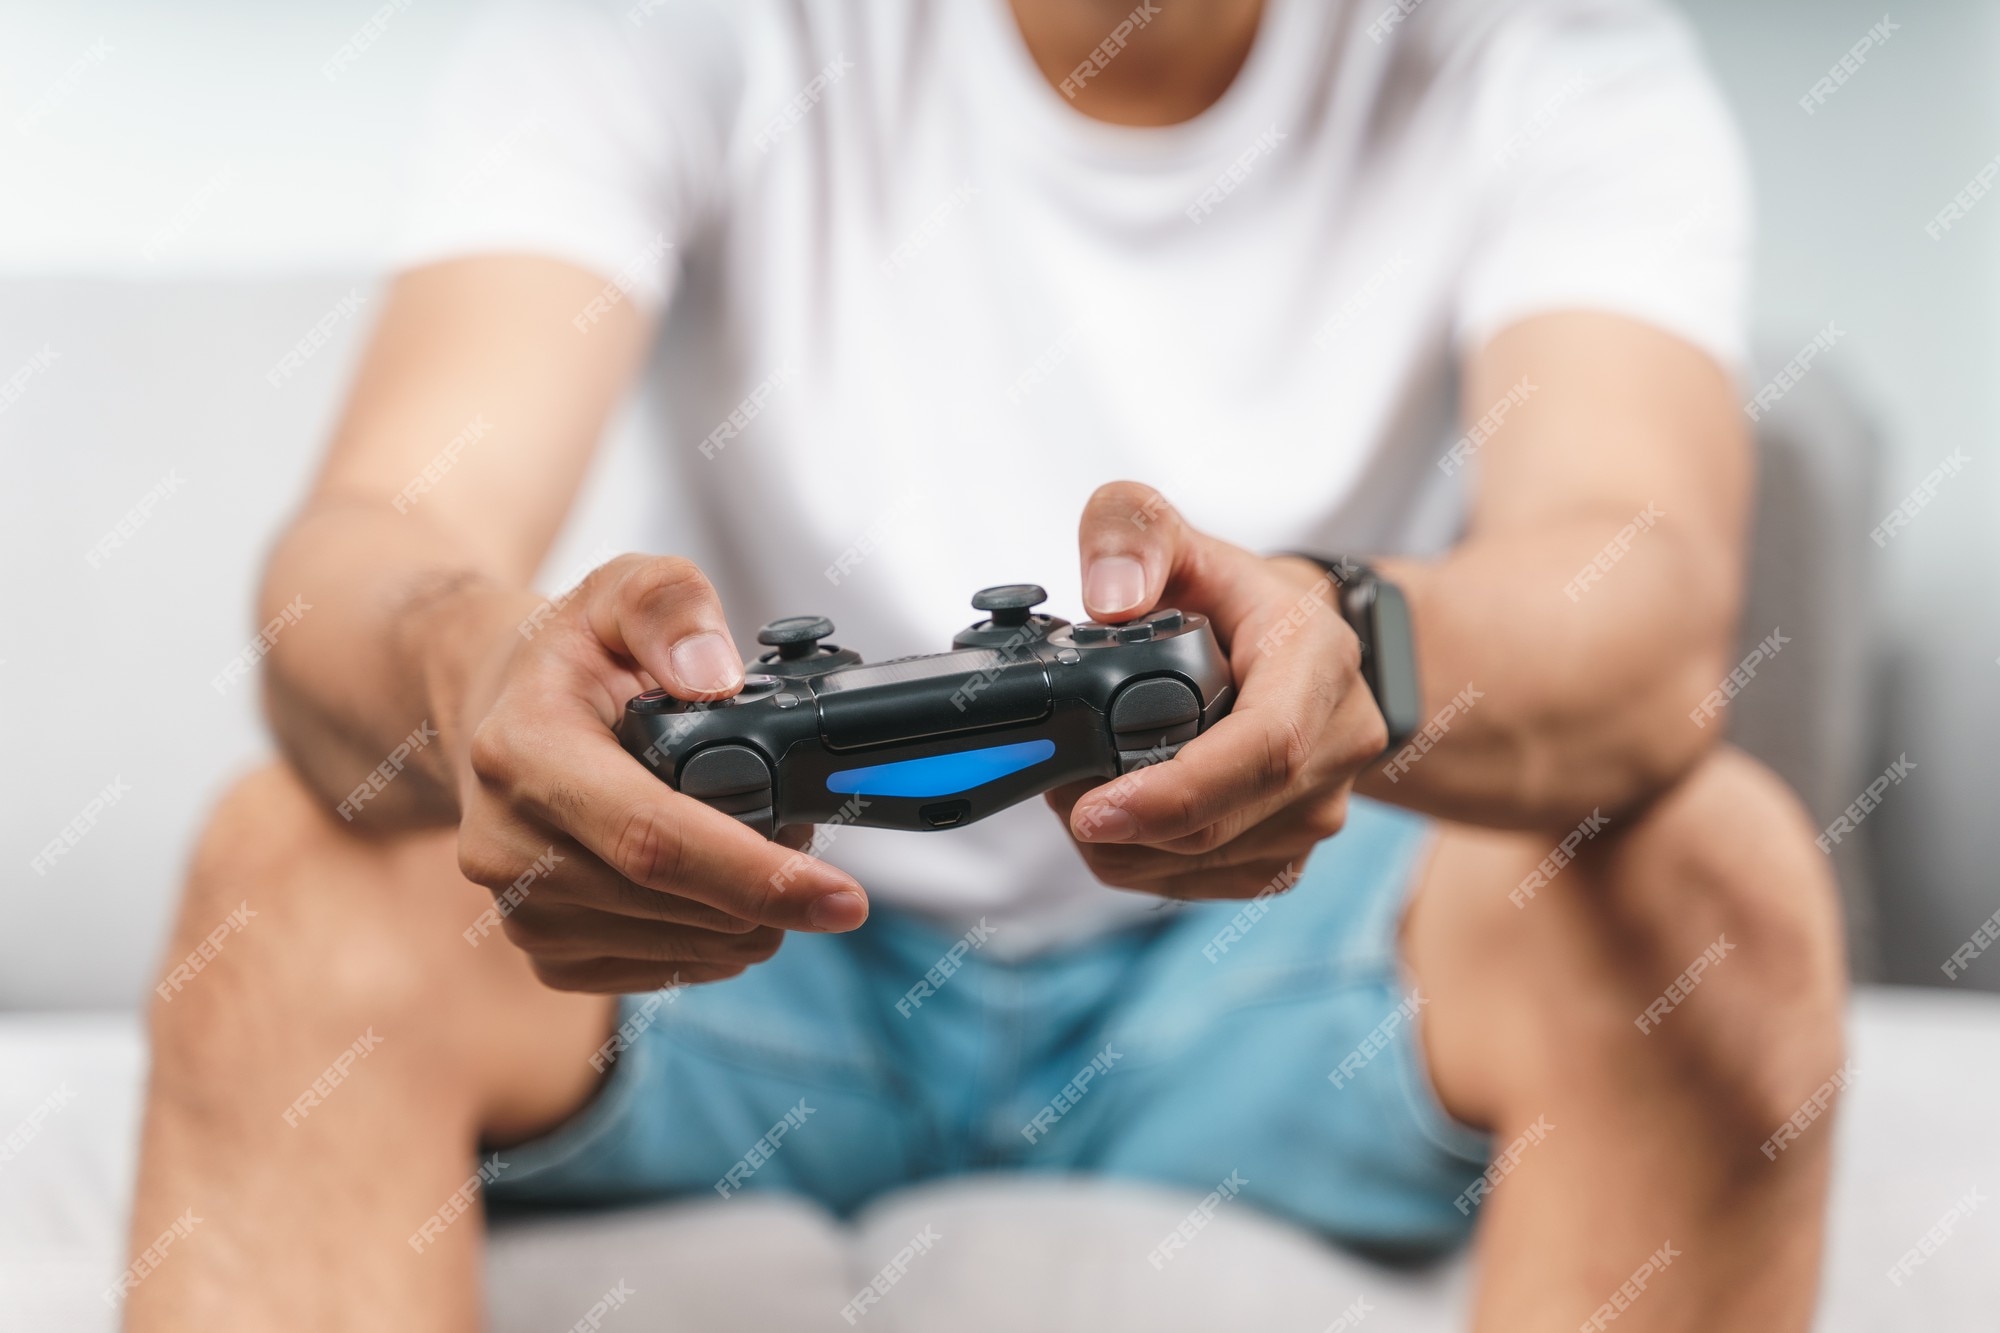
[(1009, 603), (795, 636)]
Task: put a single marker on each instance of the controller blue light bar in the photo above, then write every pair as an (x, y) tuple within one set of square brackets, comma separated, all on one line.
[(941, 774)]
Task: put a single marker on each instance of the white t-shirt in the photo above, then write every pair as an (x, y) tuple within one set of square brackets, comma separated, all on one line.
[(920, 307)]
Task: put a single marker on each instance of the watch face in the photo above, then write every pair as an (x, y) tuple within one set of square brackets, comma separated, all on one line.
[(1394, 659)]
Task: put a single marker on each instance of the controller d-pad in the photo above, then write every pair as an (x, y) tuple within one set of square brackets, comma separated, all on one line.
[(733, 779)]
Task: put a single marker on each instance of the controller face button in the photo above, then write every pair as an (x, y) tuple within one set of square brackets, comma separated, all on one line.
[(1068, 656), (1152, 707), (726, 770), (786, 700), (1164, 621)]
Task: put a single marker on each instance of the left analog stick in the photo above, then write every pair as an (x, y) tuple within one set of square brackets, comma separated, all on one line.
[(795, 636)]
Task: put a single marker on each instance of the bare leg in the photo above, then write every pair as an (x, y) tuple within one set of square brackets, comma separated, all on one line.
[(306, 1211), (1651, 1138)]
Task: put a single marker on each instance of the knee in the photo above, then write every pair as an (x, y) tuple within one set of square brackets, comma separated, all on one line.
[(1724, 898), (286, 937)]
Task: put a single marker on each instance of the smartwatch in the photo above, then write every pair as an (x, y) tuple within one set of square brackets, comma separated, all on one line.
[(1379, 615)]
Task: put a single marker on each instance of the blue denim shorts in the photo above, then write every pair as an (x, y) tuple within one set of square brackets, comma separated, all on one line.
[(1266, 1042)]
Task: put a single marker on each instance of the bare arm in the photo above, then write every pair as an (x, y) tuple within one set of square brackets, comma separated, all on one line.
[(411, 578), (1587, 650)]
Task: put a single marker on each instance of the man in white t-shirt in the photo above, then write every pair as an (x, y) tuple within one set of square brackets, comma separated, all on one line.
[(933, 290)]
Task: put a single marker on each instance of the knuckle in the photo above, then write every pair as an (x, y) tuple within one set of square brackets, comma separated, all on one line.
[(757, 947), (623, 896), (540, 934), (1186, 811), (563, 976), (638, 900), (1131, 502), (647, 849), (492, 754), (1110, 869), (607, 577), (677, 945), (667, 580), (1288, 749), (478, 862), (764, 900), (1201, 843), (1327, 818), (526, 936), (1345, 653), (1341, 689), (1372, 737)]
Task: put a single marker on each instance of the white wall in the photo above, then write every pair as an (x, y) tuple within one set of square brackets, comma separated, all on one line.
[(117, 117)]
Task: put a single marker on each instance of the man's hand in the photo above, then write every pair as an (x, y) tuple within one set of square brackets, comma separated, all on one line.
[(418, 575), (1242, 804), (629, 885)]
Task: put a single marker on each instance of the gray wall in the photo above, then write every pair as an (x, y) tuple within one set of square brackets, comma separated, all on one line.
[(1846, 194)]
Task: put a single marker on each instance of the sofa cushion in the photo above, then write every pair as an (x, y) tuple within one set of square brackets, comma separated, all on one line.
[(1914, 1137)]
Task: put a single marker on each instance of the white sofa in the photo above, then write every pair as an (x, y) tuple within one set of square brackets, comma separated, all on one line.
[(1914, 1138)]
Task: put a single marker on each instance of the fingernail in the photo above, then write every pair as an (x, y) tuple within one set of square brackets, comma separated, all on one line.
[(706, 663), (838, 911), (1114, 583), (1106, 823)]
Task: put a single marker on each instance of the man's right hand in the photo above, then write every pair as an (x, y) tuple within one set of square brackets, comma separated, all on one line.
[(629, 885)]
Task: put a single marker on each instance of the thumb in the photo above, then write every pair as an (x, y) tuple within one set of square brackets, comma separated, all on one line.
[(1138, 551), (660, 612)]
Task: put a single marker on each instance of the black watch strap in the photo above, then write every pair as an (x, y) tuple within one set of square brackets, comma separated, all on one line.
[(1379, 614)]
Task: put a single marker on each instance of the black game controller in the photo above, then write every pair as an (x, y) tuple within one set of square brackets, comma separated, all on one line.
[(1023, 703)]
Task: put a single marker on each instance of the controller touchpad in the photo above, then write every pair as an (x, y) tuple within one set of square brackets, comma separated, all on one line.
[(930, 696)]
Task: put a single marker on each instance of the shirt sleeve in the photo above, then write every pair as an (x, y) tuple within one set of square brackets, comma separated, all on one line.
[(573, 130), (1616, 181)]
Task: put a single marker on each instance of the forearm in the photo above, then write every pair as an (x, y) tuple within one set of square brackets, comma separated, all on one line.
[(364, 688), (1575, 696)]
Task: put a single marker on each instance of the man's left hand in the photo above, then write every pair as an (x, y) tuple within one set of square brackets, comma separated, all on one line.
[(1238, 809)]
